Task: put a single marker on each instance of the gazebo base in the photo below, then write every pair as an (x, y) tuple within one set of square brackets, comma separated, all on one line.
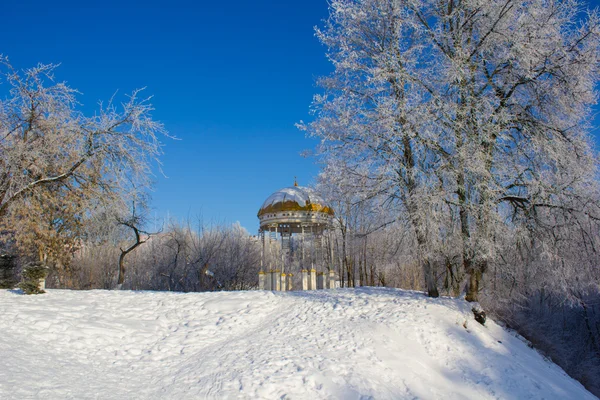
[(311, 280)]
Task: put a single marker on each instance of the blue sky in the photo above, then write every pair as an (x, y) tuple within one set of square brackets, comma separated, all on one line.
[(229, 79)]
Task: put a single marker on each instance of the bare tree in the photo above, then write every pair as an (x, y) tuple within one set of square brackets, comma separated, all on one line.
[(134, 221)]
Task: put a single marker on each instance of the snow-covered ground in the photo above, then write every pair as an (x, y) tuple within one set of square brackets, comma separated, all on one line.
[(350, 344)]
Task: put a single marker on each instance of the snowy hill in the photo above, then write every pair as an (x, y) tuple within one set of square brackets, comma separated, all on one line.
[(354, 344)]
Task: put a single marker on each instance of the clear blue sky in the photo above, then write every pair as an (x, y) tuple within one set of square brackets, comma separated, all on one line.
[(230, 79)]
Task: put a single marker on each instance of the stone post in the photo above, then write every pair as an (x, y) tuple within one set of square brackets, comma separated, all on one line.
[(304, 279), (289, 281), (332, 284), (283, 283), (312, 279), (261, 280)]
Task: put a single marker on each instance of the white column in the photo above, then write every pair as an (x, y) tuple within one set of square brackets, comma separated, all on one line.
[(262, 248), (283, 282), (312, 279), (303, 264), (276, 226), (304, 279), (270, 251), (332, 284), (321, 250), (282, 255), (289, 281), (276, 276), (312, 251)]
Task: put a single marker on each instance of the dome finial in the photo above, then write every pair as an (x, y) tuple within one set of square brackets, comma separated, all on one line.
[(295, 182)]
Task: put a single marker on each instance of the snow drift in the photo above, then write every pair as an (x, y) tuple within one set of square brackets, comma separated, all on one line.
[(364, 343)]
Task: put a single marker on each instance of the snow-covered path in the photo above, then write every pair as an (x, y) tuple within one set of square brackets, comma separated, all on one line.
[(355, 344)]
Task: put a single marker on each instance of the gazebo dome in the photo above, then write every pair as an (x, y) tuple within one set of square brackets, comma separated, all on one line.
[(295, 199)]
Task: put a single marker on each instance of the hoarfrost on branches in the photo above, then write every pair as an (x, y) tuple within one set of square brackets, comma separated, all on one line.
[(45, 139), (471, 117), (59, 167)]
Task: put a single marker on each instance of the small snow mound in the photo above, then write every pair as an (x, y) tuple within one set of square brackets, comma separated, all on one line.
[(345, 343)]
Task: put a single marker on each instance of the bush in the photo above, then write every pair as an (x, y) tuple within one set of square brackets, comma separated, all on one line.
[(8, 278), (32, 273)]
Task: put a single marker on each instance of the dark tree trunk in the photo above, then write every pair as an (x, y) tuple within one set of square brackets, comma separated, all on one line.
[(474, 282)]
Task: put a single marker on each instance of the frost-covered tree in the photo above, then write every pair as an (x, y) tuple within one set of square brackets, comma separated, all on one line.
[(47, 226), (58, 165), (469, 116), (358, 227)]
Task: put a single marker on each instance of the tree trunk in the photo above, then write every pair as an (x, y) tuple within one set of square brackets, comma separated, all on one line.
[(416, 219), (473, 288), (124, 252), (432, 290), (121, 277), (373, 274)]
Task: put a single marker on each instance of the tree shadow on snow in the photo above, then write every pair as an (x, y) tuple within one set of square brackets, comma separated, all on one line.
[(16, 291)]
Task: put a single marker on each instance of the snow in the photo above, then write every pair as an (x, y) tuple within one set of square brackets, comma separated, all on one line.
[(344, 343), (299, 194)]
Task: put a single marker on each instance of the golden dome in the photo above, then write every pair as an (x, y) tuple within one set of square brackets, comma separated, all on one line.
[(295, 198)]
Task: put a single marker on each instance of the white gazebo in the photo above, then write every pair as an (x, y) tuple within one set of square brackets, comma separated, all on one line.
[(294, 232)]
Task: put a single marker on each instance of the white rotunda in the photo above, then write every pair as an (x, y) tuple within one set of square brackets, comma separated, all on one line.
[(296, 248)]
